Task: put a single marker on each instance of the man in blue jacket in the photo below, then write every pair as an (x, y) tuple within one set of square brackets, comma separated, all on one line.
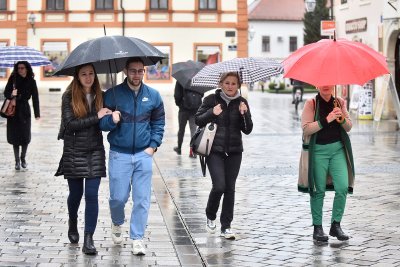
[(136, 130)]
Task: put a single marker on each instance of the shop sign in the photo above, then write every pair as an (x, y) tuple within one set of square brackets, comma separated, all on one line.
[(328, 27), (356, 25)]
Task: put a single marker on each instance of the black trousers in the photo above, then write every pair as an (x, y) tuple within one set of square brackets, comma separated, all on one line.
[(224, 170), (183, 117)]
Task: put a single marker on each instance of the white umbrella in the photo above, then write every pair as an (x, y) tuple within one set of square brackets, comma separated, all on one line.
[(250, 69), (9, 55)]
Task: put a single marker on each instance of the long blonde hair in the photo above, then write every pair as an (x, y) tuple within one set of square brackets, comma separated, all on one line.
[(79, 102)]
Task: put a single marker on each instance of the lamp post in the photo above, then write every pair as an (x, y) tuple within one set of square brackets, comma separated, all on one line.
[(310, 5), (32, 20)]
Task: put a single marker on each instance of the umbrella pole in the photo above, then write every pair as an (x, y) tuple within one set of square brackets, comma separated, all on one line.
[(337, 104)]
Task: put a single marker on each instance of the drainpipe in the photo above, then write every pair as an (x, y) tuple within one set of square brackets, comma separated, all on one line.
[(123, 17)]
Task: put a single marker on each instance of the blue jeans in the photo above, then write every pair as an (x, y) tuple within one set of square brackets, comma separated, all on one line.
[(126, 171), (91, 197)]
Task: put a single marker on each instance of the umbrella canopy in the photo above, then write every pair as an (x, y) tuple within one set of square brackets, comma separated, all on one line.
[(9, 55), (109, 54), (251, 69), (332, 62), (183, 72)]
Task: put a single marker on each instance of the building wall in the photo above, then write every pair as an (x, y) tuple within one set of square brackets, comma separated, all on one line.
[(182, 27)]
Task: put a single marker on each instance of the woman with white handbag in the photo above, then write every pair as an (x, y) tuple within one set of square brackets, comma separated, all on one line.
[(230, 111)]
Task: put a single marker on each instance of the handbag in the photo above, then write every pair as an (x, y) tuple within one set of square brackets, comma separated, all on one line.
[(202, 141), (8, 108)]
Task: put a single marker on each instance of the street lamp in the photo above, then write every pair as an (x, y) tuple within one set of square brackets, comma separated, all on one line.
[(32, 20), (310, 5), (251, 33)]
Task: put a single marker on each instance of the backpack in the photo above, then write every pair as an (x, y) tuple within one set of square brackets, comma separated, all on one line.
[(191, 99)]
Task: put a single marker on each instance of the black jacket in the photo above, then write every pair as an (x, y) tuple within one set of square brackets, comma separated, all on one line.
[(83, 154), (19, 126), (228, 138)]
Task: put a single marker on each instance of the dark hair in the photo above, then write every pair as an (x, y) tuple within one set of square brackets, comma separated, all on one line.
[(28, 67), (228, 74), (133, 59)]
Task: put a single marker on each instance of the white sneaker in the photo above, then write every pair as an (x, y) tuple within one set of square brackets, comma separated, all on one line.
[(211, 226), (228, 234), (138, 247), (116, 234)]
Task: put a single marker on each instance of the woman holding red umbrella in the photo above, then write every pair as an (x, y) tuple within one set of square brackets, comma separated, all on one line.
[(325, 122)]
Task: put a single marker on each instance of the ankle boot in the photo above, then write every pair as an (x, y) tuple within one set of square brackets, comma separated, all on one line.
[(73, 234), (23, 163), (337, 232), (319, 234), (17, 165), (88, 245)]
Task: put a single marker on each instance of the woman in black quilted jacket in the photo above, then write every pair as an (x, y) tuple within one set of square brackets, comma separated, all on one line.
[(230, 111), (83, 154)]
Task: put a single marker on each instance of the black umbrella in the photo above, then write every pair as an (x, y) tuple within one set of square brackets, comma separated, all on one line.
[(109, 54), (183, 72)]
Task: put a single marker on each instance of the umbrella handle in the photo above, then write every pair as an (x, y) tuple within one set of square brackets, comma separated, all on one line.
[(337, 104)]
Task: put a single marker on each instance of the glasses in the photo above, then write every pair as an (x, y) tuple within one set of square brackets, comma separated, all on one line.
[(135, 71)]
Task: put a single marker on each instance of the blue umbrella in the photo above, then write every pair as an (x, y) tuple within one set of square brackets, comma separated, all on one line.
[(9, 55)]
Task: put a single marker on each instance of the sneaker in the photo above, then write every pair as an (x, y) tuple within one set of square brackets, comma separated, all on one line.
[(211, 226), (177, 150), (116, 233), (138, 247), (228, 234)]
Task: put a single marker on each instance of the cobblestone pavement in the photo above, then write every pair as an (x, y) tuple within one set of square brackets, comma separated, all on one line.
[(272, 220)]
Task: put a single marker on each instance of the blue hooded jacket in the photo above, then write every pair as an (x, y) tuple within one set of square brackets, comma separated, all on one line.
[(142, 118)]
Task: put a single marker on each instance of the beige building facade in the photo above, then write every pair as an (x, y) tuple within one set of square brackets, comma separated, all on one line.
[(200, 30)]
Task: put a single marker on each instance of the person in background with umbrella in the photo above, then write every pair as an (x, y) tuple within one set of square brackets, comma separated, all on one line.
[(83, 153), (230, 111), (136, 130), (188, 102), (329, 154), (22, 86)]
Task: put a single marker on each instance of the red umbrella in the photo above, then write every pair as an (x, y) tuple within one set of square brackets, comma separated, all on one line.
[(332, 62)]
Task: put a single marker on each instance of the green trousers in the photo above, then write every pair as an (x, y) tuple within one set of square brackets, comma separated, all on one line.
[(330, 159)]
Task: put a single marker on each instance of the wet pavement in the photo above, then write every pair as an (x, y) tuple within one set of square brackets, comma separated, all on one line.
[(272, 220)]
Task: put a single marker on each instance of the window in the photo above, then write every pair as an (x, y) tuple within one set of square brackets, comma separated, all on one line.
[(208, 54), (158, 4), (3, 4), (104, 4), (292, 43), (207, 4), (266, 44), (160, 71), (56, 52), (343, 1), (55, 4), (3, 71)]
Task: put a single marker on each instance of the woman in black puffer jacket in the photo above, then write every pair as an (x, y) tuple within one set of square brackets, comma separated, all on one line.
[(230, 111), (83, 155)]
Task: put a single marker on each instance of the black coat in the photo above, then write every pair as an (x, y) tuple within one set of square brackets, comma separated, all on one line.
[(19, 126), (228, 138), (83, 153)]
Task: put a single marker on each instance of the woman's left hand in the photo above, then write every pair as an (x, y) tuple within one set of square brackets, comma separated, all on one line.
[(242, 108), (37, 118)]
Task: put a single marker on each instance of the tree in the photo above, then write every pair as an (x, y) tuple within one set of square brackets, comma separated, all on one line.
[(312, 22)]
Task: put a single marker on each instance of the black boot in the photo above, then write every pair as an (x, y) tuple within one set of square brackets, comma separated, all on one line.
[(177, 150), (73, 234), (337, 232), (17, 165), (88, 245), (23, 163), (319, 234)]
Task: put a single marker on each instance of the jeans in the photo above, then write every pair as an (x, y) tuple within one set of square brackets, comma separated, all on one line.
[(224, 170), (91, 198), (128, 171), (183, 117)]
